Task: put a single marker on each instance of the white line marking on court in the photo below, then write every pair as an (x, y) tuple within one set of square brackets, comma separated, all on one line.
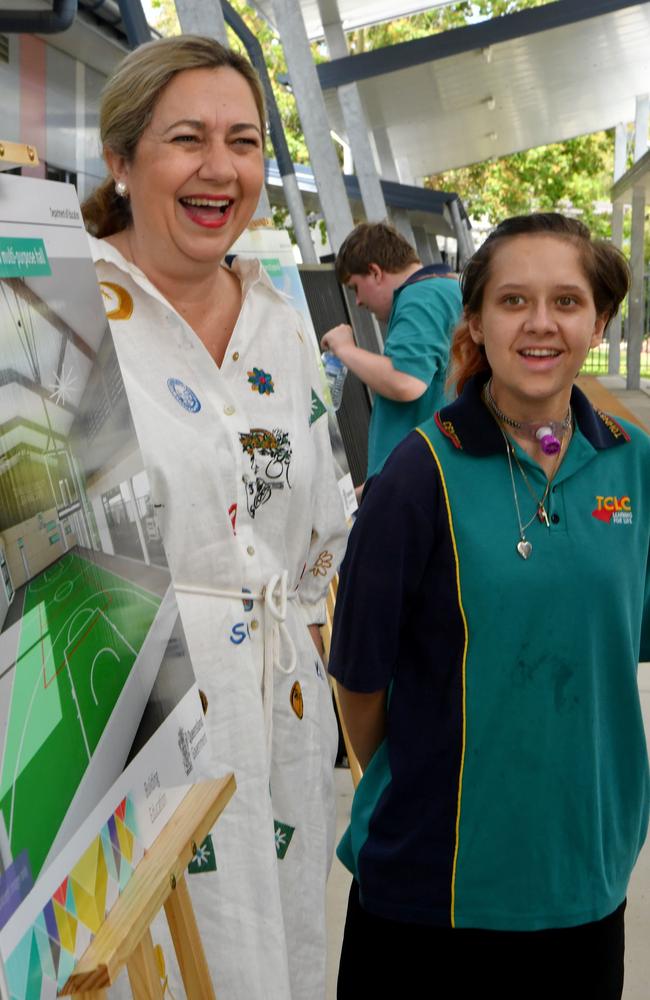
[(59, 595), (48, 580), (36, 688), (76, 704), (106, 649), (88, 613)]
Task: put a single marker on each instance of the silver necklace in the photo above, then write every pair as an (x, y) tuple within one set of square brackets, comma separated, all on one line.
[(517, 424), (524, 547)]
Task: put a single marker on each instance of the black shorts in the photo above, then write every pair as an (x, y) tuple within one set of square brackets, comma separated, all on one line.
[(389, 960)]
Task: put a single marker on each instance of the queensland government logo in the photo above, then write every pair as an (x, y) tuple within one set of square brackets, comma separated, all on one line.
[(191, 742), (613, 510), (184, 395)]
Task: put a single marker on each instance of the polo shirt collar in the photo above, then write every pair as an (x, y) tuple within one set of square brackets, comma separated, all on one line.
[(470, 427), (429, 271)]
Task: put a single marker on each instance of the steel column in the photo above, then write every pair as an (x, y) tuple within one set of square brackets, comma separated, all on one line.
[(636, 301), (615, 327), (313, 117), (202, 17), (354, 118)]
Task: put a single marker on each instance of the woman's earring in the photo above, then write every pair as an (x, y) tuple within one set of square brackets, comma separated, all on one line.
[(121, 189)]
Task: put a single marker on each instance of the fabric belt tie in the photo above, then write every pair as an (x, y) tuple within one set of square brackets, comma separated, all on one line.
[(275, 596)]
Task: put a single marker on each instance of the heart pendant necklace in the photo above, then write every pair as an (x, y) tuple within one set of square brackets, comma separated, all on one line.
[(524, 547)]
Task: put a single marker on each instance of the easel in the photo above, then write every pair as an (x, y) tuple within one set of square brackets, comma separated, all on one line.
[(124, 939)]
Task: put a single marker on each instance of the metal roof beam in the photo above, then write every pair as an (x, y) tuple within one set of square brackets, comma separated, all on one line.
[(135, 23), (43, 22)]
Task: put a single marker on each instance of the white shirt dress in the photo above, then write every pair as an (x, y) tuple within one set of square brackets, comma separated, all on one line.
[(242, 476)]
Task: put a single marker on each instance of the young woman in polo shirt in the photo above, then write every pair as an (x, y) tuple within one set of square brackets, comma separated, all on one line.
[(487, 649)]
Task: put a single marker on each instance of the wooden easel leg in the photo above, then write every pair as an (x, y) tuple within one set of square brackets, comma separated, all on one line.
[(143, 971), (92, 995), (187, 944)]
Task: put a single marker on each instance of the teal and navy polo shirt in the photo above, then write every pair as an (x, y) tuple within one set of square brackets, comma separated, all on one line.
[(512, 789), (425, 310)]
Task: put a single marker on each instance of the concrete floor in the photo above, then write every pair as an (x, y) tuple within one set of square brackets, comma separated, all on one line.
[(637, 952), (636, 400)]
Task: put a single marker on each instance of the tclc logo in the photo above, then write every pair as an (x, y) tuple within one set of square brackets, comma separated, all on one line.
[(613, 510)]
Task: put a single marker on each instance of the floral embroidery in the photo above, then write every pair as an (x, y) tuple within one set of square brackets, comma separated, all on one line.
[(261, 381), (323, 564)]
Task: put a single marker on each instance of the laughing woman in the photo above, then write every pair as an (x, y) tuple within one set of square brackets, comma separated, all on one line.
[(222, 381), (488, 644)]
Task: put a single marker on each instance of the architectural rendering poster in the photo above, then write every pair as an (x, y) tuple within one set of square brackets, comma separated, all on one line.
[(93, 660)]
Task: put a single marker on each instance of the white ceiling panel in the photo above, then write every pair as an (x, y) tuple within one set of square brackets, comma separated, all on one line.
[(544, 87)]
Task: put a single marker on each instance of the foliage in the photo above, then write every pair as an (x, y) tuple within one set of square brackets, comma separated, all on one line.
[(432, 22), (570, 176), (165, 18)]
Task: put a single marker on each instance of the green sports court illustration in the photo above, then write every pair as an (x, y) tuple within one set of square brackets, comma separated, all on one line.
[(80, 634)]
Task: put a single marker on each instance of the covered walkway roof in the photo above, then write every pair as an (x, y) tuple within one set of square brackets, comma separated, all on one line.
[(431, 210), (506, 84)]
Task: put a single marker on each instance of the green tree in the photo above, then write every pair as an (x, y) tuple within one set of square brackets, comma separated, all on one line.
[(572, 176), (432, 22)]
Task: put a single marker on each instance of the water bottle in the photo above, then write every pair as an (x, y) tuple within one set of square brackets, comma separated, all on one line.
[(335, 372)]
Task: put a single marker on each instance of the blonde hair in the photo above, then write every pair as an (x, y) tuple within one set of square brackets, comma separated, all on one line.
[(128, 101)]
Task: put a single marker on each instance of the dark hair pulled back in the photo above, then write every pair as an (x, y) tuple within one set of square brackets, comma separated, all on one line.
[(605, 267)]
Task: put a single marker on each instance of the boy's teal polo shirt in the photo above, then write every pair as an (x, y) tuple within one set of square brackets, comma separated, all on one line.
[(512, 790), (424, 313)]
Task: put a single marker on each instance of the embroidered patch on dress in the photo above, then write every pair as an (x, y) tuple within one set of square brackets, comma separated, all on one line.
[(283, 835), (323, 564), (261, 382), (184, 395), (270, 457), (118, 304), (232, 514), (318, 408), (296, 699), (204, 860)]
